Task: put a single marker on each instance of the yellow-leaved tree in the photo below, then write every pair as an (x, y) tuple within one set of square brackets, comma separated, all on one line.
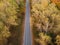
[(8, 16), (45, 18)]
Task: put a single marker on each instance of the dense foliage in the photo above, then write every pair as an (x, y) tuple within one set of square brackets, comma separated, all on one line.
[(8, 11), (11, 12), (45, 21)]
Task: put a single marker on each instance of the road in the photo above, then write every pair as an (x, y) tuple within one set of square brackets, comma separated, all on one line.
[(27, 32)]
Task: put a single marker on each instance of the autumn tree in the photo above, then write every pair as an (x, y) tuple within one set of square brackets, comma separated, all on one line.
[(45, 19), (8, 17)]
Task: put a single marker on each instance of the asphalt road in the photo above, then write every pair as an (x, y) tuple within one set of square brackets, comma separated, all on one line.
[(27, 32)]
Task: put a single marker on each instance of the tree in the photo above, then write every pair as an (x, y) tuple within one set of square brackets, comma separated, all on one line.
[(8, 17), (45, 18)]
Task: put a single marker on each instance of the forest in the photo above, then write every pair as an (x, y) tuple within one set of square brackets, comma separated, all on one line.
[(45, 22), (12, 14)]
